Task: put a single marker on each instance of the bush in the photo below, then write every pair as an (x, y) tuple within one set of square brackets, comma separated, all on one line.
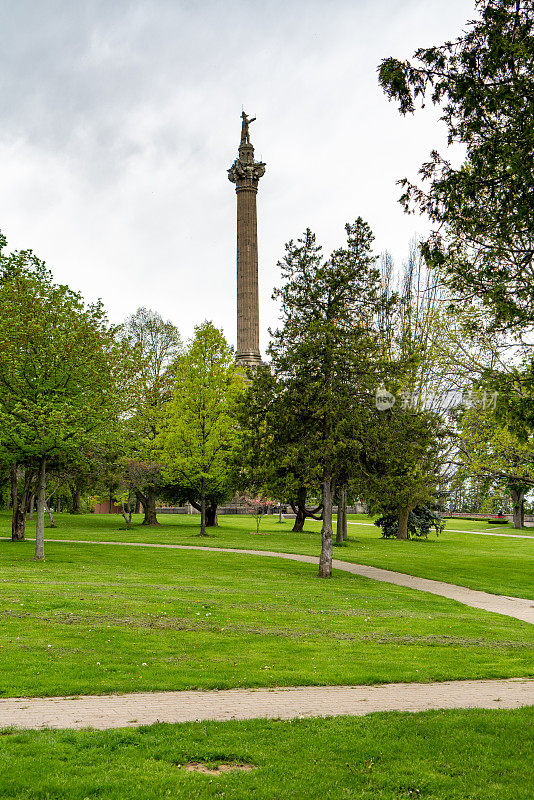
[(420, 522), (501, 521)]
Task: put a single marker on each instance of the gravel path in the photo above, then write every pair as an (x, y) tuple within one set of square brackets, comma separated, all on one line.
[(516, 607), (130, 710)]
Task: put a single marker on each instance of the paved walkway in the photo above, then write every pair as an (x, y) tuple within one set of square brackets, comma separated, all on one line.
[(516, 607), (474, 533), (130, 710)]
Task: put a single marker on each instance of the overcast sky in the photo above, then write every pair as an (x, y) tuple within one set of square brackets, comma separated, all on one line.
[(118, 121)]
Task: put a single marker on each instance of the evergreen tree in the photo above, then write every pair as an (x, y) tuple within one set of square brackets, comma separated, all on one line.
[(483, 210), (324, 358)]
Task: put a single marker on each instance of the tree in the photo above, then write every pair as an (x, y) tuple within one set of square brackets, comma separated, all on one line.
[(61, 373), (421, 520), (257, 506), (324, 357), (401, 462), (406, 444), (270, 459), (483, 239), (489, 448), (158, 347), (199, 429)]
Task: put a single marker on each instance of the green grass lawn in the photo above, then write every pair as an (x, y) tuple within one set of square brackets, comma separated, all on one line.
[(97, 619), (437, 755), (494, 564)]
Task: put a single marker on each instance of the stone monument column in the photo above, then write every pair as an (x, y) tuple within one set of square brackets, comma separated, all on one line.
[(246, 173)]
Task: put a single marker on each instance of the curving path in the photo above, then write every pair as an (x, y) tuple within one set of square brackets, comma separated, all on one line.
[(516, 607), (472, 533), (130, 710)]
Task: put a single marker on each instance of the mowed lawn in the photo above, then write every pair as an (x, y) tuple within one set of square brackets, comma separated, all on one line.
[(438, 755), (491, 563), (97, 619)]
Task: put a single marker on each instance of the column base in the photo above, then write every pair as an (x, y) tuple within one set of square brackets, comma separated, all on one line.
[(251, 360)]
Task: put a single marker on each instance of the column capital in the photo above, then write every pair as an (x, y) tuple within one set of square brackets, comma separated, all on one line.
[(246, 175)]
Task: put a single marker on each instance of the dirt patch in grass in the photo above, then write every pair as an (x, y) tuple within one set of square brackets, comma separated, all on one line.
[(197, 766)]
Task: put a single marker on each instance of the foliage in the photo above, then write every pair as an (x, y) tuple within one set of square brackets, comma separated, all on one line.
[(199, 430), (257, 506), (401, 461), (63, 377), (60, 367), (324, 358), (421, 520), (405, 442), (156, 349), (494, 450), (483, 238), (271, 459)]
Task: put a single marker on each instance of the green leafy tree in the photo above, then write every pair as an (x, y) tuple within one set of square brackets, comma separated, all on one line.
[(483, 238), (199, 430), (61, 373), (491, 449), (157, 347)]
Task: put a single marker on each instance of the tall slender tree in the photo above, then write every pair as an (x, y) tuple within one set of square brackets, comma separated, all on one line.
[(158, 347), (324, 356), (199, 429)]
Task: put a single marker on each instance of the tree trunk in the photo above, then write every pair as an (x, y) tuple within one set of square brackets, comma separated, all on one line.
[(76, 499), (18, 525), (341, 525), (50, 515), (212, 519), (300, 519), (203, 508), (41, 503), (137, 506), (344, 503), (127, 514), (59, 504), (18, 521), (402, 533), (149, 505), (20, 507), (327, 536), (32, 505), (300, 510), (518, 500)]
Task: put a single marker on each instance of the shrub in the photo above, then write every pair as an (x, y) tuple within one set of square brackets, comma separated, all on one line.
[(420, 522)]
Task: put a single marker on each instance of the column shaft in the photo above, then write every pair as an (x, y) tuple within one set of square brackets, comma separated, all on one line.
[(247, 276)]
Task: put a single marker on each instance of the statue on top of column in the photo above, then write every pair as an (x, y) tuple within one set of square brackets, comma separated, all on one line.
[(245, 138)]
